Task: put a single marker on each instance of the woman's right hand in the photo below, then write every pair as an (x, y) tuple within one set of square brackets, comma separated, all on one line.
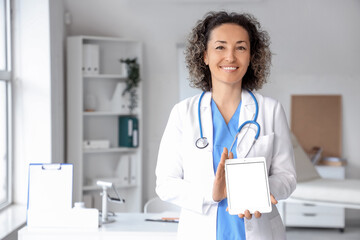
[(219, 187)]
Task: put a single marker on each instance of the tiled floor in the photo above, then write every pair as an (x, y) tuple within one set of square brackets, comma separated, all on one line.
[(350, 233)]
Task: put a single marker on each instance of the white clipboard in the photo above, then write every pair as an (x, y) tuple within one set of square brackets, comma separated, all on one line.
[(49, 189), (50, 199), (247, 185), (50, 186)]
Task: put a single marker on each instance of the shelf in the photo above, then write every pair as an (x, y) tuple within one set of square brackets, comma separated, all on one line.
[(110, 150), (103, 113), (97, 188), (101, 91), (105, 76)]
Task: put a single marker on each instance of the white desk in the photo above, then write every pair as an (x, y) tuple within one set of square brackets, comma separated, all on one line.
[(127, 226)]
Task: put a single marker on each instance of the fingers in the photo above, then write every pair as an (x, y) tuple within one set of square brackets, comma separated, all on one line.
[(273, 200), (224, 156), (248, 215), (220, 172), (257, 214), (241, 215)]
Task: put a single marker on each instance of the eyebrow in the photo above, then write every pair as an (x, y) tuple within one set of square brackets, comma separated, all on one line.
[(221, 41)]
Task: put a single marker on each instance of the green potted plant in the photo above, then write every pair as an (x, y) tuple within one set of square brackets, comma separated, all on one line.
[(132, 81)]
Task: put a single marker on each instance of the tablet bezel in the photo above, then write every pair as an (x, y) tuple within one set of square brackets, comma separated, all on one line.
[(266, 204)]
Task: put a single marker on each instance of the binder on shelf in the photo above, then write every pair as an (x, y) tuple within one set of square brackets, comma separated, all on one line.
[(132, 171), (90, 59), (122, 170), (120, 103), (95, 58), (86, 59), (128, 131)]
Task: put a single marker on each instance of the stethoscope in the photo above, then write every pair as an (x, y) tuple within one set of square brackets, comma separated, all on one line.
[(202, 142)]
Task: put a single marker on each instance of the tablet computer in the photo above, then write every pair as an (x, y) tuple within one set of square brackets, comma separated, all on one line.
[(247, 185)]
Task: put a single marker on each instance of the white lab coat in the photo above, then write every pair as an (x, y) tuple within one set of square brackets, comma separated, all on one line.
[(185, 174)]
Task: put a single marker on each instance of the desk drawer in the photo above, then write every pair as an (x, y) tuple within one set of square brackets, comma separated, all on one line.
[(314, 220), (297, 208)]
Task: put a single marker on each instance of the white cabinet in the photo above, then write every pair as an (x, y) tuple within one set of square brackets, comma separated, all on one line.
[(312, 215), (93, 112)]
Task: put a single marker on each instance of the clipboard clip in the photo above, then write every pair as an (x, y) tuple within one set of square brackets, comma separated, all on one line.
[(51, 166)]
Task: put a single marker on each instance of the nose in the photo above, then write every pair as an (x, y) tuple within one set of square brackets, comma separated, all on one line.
[(230, 55)]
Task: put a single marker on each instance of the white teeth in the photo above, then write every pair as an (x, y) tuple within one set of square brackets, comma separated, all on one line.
[(229, 68)]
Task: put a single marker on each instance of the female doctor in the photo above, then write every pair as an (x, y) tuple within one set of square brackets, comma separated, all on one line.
[(228, 57)]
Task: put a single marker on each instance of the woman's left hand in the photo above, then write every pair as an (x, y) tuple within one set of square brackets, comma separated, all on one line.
[(257, 214)]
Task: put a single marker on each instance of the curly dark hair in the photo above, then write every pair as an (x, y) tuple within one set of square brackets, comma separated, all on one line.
[(260, 54)]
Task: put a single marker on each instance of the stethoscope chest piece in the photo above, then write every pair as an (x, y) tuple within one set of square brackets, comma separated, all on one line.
[(202, 143)]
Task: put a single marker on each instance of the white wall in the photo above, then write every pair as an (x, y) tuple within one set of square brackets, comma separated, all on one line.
[(316, 46), (57, 42)]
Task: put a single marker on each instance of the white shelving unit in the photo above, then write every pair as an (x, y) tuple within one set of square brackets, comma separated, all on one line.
[(120, 165), (312, 215)]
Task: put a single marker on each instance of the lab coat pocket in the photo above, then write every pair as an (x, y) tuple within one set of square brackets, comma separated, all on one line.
[(263, 147)]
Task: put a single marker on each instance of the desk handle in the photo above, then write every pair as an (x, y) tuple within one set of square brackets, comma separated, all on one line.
[(309, 214)]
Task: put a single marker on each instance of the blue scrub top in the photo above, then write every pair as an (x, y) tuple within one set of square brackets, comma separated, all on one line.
[(228, 226)]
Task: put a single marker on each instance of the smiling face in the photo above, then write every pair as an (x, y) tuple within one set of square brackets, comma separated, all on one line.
[(228, 54)]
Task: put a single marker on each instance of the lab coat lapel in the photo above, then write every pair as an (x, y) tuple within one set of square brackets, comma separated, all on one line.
[(206, 120), (248, 132), (207, 127)]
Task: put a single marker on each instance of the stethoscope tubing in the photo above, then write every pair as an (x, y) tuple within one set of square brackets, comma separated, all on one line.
[(204, 140), (199, 114)]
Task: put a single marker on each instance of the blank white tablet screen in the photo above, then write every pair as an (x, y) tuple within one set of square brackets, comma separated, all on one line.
[(247, 187)]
